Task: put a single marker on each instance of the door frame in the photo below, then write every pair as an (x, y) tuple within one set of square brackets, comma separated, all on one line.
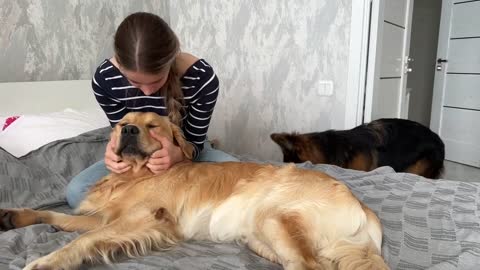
[(357, 63), (364, 65), (438, 83)]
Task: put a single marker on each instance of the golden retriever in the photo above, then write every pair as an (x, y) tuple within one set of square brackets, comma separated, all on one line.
[(301, 219)]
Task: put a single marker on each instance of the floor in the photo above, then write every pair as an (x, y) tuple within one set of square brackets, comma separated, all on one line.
[(460, 172)]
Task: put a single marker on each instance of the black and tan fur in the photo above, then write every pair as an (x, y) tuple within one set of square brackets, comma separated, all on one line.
[(404, 145)]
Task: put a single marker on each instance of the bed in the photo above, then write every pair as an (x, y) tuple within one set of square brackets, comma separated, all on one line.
[(427, 224)]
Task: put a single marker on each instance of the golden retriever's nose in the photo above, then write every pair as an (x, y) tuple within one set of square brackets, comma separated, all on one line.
[(130, 130)]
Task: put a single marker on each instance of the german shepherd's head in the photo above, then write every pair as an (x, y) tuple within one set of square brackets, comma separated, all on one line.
[(299, 148), (134, 142)]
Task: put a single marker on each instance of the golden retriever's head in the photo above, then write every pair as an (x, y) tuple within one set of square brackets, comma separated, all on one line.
[(135, 144)]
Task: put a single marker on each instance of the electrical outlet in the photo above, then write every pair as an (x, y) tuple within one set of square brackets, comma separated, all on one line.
[(325, 88)]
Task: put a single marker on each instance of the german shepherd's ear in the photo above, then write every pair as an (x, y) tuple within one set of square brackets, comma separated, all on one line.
[(286, 141), (187, 148)]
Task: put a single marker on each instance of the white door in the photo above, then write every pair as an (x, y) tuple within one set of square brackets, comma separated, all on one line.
[(386, 95), (456, 95)]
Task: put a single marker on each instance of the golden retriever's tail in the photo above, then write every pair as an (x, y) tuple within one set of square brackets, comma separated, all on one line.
[(353, 256), (367, 256)]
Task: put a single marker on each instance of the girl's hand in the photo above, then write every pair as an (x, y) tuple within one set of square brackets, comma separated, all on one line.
[(163, 159), (113, 162)]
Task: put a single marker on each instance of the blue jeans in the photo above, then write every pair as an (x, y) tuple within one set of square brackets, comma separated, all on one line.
[(80, 184)]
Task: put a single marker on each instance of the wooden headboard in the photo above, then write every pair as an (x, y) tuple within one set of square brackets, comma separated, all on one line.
[(45, 96)]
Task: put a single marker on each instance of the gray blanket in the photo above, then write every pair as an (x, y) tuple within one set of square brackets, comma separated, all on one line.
[(427, 224)]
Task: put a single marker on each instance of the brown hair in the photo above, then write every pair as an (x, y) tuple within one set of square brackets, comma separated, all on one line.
[(145, 43)]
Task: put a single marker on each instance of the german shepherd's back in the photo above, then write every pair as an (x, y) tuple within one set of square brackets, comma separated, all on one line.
[(404, 145)]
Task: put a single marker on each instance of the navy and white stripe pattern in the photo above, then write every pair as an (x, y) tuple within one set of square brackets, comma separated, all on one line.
[(200, 86)]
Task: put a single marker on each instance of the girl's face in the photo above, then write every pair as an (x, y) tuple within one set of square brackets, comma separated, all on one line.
[(146, 82)]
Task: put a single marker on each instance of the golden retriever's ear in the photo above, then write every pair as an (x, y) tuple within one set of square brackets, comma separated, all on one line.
[(187, 148), (164, 216)]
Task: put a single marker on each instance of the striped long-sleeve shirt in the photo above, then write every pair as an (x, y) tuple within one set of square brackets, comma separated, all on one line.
[(200, 87)]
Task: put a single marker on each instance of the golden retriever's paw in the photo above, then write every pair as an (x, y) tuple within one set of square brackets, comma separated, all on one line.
[(47, 263), (16, 218), (9, 219), (6, 220)]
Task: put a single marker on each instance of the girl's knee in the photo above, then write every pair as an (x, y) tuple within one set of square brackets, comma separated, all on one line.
[(80, 184), (74, 194)]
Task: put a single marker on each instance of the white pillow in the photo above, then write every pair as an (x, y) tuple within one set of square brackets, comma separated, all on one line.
[(3, 119), (30, 132)]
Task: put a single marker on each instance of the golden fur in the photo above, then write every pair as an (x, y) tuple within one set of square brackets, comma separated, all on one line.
[(302, 219)]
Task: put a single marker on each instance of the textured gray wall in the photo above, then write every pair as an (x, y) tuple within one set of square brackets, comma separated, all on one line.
[(271, 58), (43, 40)]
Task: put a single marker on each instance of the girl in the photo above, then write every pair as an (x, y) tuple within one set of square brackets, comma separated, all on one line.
[(149, 74)]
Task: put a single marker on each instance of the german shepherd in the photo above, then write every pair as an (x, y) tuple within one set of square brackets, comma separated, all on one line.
[(301, 219), (404, 145)]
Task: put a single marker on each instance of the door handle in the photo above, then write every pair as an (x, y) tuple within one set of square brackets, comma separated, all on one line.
[(408, 69), (439, 63)]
